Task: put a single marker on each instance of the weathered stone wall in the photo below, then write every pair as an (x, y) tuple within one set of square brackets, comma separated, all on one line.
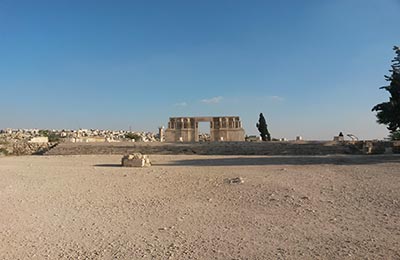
[(396, 147), (223, 148), (227, 134), (187, 135)]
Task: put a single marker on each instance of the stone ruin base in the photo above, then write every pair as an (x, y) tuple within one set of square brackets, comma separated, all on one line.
[(378, 147), (230, 148), (396, 147), (135, 160)]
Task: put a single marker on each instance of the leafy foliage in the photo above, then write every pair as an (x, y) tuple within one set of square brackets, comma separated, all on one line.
[(53, 137), (263, 129), (3, 151), (388, 113), (44, 133), (395, 136)]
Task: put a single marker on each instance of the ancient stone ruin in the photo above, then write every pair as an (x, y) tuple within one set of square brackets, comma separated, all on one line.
[(135, 160), (222, 128)]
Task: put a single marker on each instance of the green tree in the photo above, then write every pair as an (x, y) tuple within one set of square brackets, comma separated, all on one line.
[(44, 133), (388, 113), (263, 129), (53, 137)]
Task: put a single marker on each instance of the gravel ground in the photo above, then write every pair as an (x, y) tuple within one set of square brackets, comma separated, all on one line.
[(192, 207)]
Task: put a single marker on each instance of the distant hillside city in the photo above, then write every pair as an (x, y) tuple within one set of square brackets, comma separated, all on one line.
[(75, 136), (38, 141)]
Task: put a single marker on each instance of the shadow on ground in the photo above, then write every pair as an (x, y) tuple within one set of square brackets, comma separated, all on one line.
[(110, 165), (287, 160)]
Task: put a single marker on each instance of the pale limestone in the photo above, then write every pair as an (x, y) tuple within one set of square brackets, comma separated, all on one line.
[(135, 160)]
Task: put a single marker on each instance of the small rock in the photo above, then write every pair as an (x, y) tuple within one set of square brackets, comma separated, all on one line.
[(236, 180)]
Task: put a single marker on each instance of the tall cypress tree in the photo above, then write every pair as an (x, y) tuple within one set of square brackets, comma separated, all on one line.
[(263, 129), (388, 113)]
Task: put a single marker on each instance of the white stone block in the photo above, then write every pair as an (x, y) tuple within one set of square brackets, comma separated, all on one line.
[(135, 160)]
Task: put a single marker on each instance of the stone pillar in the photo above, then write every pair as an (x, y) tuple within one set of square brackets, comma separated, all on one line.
[(196, 130), (161, 133)]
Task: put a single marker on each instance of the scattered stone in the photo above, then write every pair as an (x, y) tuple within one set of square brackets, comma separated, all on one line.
[(22, 147), (236, 180), (135, 160)]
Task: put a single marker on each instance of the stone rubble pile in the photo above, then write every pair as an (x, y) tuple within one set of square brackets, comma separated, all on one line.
[(23, 147), (135, 160)]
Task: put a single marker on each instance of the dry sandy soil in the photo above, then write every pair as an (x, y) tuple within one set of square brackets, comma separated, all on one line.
[(184, 207)]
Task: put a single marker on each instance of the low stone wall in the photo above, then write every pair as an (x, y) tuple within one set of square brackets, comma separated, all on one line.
[(226, 148), (396, 147)]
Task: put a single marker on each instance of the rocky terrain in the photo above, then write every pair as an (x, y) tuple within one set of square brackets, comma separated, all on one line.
[(200, 207), (23, 147)]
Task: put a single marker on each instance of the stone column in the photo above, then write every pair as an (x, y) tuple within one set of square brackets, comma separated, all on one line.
[(161, 133)]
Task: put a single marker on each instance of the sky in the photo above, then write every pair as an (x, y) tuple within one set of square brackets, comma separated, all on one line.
[(312, 67)]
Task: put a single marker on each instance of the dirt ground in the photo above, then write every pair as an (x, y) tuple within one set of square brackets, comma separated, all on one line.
[(188, 207)]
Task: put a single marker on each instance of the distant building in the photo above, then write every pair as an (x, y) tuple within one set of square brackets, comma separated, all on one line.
[(222, 128), (39, 139), (92, 139)]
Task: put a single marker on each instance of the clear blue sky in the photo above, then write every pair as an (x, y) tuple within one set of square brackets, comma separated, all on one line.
[(312, 67)]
